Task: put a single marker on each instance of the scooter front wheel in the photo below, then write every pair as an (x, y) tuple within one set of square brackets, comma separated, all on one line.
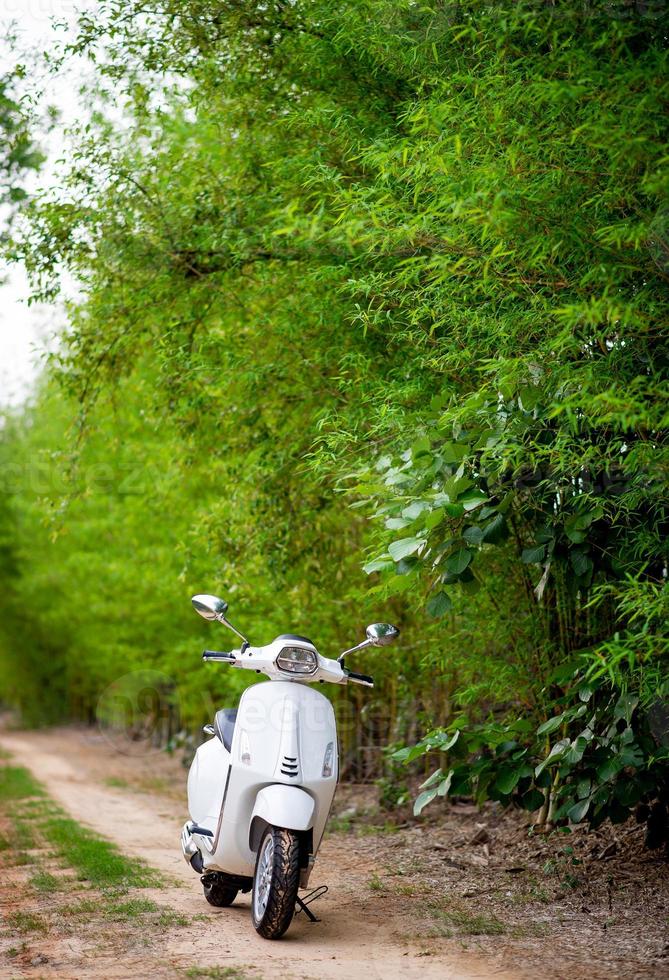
[(275, 883)]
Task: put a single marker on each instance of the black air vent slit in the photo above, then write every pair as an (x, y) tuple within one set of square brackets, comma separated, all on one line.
[(290, 758)]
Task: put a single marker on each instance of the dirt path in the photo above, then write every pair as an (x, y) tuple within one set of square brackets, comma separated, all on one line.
[(362, 934)]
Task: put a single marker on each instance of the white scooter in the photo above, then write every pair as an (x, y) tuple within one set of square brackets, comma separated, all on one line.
[(260, 790)]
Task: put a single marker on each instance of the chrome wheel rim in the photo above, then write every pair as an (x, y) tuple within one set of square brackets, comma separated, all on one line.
[(263, 879)]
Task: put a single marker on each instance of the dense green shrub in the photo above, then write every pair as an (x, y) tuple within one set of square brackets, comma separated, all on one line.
[(411, 258)]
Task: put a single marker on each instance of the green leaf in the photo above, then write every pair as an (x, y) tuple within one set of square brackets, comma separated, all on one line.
[(434, 517), (405, 547), (551, 725), (431, 780), (421, 447), (529, 397), (533, 555), (471, 499), (415, 509), (378, 565), (445, 784), (532, 800), (446, 741), (458, 561), (608, 769), (473, 535), (439, 604), (580, 562), (507, 780), (397, 523), (496, 530), (555, 755), (453, 452), (423, 799), (577, 812)]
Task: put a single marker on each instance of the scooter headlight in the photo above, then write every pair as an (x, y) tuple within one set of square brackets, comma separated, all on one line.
[(297, 660)]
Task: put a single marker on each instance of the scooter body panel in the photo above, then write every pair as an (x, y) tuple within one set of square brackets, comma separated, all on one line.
[(284, 734), (206, 783)]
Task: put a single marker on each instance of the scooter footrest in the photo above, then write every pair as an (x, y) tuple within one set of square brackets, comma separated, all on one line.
[(202, 831)]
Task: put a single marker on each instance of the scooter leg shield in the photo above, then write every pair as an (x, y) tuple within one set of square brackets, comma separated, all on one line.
[(280, 806)]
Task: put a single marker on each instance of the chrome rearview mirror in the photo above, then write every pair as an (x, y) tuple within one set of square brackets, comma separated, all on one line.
[(214, 609), (378, 635), (381, 634), (210, 606)]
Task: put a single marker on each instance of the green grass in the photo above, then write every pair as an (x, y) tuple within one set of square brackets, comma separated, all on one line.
[(218, 973), (169, 918), (339, 825), (16, 783), (95, 859), (116, 782), (134, 908), (44, 882), (24, 830), (20, 857), (129, 910), (26, 922), (469, 923)]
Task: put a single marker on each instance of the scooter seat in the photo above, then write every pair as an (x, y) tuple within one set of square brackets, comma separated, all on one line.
[(224, 724)]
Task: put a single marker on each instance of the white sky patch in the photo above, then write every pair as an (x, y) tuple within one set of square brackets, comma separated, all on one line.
[(27, 332)]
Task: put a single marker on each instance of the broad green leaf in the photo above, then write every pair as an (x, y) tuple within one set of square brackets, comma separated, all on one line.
[(446, 741), (439, 604), (534, 555), (458, 561), (507, 780), (433, 518), (432, 780), (423, 799), (496, 530), (580, 562), (471, 499), (551, 725), (415, 509), (378, 565), (421, 447), (473, 535), (577, 812), (405, 547), (445, 784)]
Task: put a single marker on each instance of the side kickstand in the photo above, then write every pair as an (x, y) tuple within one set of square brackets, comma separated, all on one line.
[(303, 903)]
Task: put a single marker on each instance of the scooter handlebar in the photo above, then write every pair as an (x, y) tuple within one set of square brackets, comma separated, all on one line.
[(219, 657), (359, 678)]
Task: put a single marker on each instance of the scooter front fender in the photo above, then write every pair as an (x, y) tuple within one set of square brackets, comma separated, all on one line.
[(279, 805)]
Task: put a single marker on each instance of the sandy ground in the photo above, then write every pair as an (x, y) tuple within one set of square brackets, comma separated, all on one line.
[(137, 800)]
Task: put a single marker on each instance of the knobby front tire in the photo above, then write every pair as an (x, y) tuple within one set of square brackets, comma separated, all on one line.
[(275, 882)]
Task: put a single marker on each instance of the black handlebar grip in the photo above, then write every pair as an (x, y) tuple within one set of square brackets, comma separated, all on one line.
[(362, 678), (221, 656)]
